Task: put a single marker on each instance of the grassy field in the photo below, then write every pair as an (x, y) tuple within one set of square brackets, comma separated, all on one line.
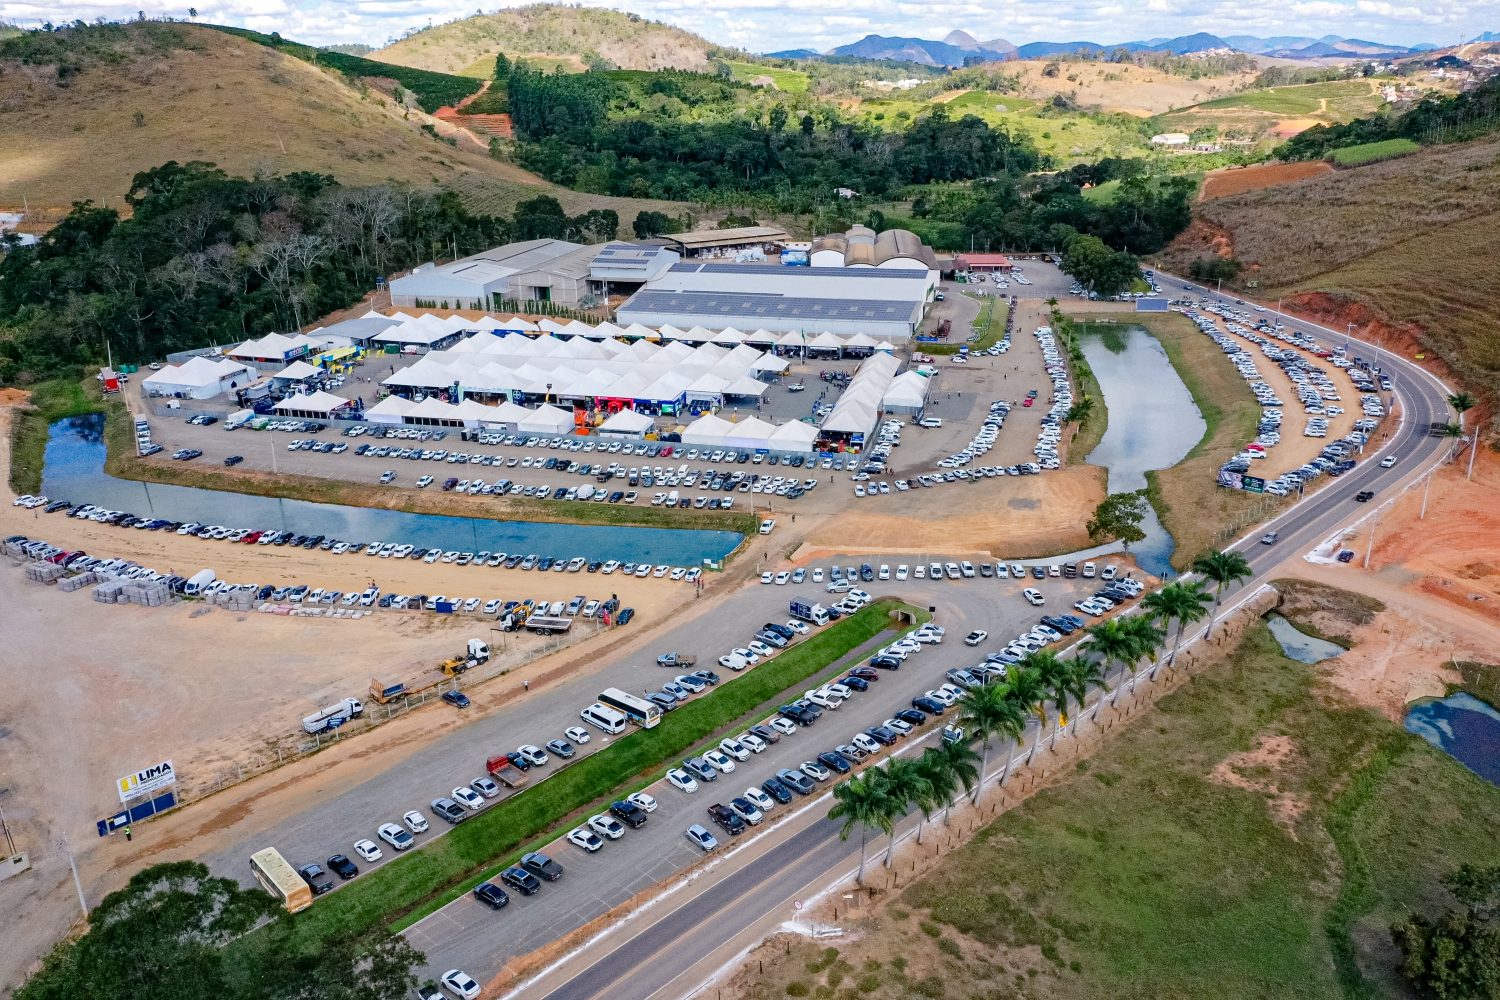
[(1257, 112), (420, 882), (1092, 428), (1196, 511), (1482, 680), (1253, 837), (1372, 152), (790, 81)]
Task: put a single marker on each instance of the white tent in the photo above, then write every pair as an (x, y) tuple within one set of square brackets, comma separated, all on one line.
[(297, 371), (792, 339), (746, 386), (707, 429), (826, 342), (317, 404), (769, 363), (547, 419), (508, 413), (762, 336), (197, 378), (857, 417), (907, 393), (627, 423), (390, 410), (794, 436), (729, 337), (752, 434), (640, 332), (707, 387), (861, 340)]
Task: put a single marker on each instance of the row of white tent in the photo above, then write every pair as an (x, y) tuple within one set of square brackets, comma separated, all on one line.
[(751, 434), (552, 367), (427, 328), (859, 405)]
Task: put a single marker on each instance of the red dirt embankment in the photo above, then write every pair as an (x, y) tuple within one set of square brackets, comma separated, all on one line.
[(1238, 180)]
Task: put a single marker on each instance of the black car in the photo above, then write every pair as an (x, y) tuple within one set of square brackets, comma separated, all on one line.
[(765, 732), (521, 880), (625, 615), (855, 683), (835, 760), (342, 867), (316, 878), (885, 662), (491, 895), (911, 716), (777, 790), (880, 734), (797, 714), (456, 698), (515, 758), (929, 705), (629, 813), (542, 866), (1364, 496), (727, 818), (1039, 572), (234, 459)]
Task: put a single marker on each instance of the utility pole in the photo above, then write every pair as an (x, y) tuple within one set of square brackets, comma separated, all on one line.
[(1370, 545), (1426, 488)]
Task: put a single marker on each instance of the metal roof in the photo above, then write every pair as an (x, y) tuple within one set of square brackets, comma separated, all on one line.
[(754, 305), (722, 237), (796, 273)]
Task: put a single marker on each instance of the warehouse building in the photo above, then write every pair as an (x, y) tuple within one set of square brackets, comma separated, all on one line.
[(886, 304), (980, 263), (861, 246), (516, 271)]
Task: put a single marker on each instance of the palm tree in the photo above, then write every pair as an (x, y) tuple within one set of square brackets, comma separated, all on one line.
[(1079, 411), (1463, 402), (961, 763), (1181, 601), (1145, 639), (908, 780), (1083, 673), (1110, 642), (1221, 569), (862, 801), (986, 712), (1053, 674), (1027, 690), (940, 778)]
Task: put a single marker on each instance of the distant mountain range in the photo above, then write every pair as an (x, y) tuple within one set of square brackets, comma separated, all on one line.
[(959, 48)]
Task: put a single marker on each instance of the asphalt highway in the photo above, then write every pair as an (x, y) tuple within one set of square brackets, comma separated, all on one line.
[(674, 948)]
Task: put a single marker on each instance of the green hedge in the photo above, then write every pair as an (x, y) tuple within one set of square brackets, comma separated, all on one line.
[(418, 883)]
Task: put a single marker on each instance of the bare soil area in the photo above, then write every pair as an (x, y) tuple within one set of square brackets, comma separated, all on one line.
[(1221, 183)]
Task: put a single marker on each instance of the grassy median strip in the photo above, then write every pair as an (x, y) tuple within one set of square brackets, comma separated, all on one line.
[(416, 884), (991, 324)]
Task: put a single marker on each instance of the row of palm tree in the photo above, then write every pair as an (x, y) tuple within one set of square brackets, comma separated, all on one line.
[(875, 799)]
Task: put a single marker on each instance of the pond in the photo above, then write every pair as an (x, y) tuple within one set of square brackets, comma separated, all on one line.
[(74, 470), (1300, 646), (1463, 727), (1153, 421)]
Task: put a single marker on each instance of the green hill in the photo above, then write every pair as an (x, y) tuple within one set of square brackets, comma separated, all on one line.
[(550, 36)]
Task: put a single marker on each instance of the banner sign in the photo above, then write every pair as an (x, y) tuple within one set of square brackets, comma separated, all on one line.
[(146, 781)]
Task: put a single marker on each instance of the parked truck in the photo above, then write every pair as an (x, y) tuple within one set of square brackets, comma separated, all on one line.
[(806, 611), (503, 770), (333, 716), (676, 661), (474, 654), (384, 693)]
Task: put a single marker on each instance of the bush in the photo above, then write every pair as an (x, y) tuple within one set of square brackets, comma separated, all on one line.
[(798, 989)]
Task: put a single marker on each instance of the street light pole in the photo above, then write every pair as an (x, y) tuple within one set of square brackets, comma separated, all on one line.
[(1426, 488)]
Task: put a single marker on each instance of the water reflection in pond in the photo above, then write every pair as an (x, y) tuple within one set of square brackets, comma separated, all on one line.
[(1463, 727), (1300, 646)]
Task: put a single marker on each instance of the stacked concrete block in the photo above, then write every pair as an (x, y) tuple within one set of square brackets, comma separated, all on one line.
[(150, 595), (110, 592), (44, 572), (68, 584)]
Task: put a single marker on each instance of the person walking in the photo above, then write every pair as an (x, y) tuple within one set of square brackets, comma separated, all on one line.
[(526, 685), (127, 833)]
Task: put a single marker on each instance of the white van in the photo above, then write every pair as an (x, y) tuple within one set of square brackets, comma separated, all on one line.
[(197, 582), (603, 717), (672, 499)]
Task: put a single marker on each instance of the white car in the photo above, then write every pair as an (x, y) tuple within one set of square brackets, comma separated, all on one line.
[(786, 727), (734, 748), (1033, 597), (975, 637), (393, 835), (468, 798), (760, 799), (942, 697), (729, 661), (577, 734), (760, 649), (783, 578), (746, 812), (415, 822), (746, 655), (367, 850), (585, 838), (902, 572), (460, 984), (767, 577), (899, 726), (752, 743), (641, 799), (702, 838), (866, 743), (719, 761), (801, 628), (1388, 461), (606, 826), (681, 780)]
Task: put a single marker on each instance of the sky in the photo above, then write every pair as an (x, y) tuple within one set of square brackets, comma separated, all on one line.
[(771, 25)]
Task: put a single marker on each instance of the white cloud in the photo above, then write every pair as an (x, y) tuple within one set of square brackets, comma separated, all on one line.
[(767, 25)]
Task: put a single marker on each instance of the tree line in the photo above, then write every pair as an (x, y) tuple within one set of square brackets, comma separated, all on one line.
[(209, 258), (601, 133)]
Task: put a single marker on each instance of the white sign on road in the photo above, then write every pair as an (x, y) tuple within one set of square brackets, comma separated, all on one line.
[(146, 781)]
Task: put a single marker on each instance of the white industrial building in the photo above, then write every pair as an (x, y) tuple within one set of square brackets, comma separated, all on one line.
[(861, 246), (532, 271), (885, 304)]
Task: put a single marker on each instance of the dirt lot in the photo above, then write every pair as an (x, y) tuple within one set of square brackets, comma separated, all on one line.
[(1221, 183)]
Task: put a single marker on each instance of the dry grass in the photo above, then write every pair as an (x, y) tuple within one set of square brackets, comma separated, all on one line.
[(552, 31), (1413, 239), (242, 106), (1137, 90)]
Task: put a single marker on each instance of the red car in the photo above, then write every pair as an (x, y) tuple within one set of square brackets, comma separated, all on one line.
[(1026, 401)]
